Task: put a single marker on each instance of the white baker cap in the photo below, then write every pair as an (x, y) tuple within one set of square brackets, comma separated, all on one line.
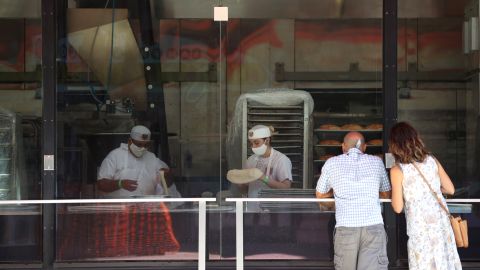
[(140, 133), (259, 132)]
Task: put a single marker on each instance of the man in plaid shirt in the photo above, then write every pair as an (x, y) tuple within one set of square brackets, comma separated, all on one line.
[(356, 180)]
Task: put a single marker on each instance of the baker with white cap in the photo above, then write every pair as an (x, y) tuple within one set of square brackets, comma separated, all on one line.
[(131, 170), (275, 166)]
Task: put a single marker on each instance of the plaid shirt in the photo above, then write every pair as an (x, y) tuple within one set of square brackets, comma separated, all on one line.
[(356, 180)]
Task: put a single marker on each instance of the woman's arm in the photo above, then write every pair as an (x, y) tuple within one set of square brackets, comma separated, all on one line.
[(446, 184), (396, 176)]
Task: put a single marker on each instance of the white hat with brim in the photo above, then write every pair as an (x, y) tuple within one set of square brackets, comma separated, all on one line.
[(140, 133), (244, 176), (259, 132)]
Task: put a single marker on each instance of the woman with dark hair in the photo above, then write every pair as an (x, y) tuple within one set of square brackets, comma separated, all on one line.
[(431, 243)]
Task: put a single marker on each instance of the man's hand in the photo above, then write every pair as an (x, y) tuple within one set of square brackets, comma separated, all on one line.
[(130, 185), (325, 206)]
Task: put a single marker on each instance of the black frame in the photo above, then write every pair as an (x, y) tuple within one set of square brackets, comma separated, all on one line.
[(389, 83), (49, 71)]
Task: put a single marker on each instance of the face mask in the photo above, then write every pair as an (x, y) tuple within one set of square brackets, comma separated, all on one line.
[(260, 151), (137, 151)]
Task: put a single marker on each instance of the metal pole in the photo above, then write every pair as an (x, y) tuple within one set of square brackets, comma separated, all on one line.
[(49, 43), (154, 87), (239, 234), (202, 234), (389, 83)]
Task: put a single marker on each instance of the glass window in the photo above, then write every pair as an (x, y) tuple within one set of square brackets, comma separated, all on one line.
[(20, 130), (331, 50), (438, 91), (138, 116)]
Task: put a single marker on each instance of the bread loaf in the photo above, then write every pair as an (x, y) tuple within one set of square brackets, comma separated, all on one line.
[(330, 142), (375, 142), (325, 157), (352, 127), (375, 126), (329, 127)]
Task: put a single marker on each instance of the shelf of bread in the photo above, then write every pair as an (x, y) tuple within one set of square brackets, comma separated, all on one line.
[(329, 143), (348, 130), (346, 115), (350, 127)]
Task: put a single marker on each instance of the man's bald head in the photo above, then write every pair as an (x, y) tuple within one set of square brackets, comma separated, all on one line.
[(353, 140)]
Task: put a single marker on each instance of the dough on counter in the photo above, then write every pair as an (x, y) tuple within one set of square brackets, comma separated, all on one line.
[(329, 142), (375, 142), (352, 127), (329, 127), (244, 176), (375, 126)]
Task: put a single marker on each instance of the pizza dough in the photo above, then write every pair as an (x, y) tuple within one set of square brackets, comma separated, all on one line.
[(244, 176), (375, 126), (352, 127), (375, 142), (329, 127), (329, 142)]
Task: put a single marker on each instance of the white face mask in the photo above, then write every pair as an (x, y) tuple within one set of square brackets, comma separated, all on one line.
[(260, 151), (137, 151)]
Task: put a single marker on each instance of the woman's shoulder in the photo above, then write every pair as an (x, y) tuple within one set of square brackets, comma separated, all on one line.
[(429, 159)]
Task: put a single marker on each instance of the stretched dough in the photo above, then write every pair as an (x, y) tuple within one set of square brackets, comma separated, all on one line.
[(244, 176)]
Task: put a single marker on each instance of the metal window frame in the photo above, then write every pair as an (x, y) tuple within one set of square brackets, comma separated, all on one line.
[(49, 84), (389, 85)]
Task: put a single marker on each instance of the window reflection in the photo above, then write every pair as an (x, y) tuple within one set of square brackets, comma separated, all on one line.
[(20, 130)]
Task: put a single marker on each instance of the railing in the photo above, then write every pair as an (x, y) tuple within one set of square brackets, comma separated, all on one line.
[(202, 209), (240, 210), (202, 213)]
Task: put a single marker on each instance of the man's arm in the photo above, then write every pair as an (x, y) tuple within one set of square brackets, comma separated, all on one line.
[(324, 189), (325, 205), (283, 172), (105, 181), (385, 191), (272, 183)]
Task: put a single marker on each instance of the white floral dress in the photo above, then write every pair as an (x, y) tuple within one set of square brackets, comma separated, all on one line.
[(431, 244)]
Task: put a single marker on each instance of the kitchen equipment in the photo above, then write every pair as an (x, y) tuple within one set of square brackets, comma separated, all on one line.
[(288, 111)]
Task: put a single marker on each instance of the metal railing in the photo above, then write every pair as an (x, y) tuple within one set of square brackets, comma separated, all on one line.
[(240, 210), (202, 214)]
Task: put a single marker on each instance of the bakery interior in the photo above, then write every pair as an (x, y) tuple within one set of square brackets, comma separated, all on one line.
[(200, 84)]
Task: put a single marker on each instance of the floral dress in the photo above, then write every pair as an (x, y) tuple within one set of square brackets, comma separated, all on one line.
[(431, 243)]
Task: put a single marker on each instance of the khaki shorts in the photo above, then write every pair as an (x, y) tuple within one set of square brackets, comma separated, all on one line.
[(362, 248)]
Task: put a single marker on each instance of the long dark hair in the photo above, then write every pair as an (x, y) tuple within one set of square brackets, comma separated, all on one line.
[(405, 144)]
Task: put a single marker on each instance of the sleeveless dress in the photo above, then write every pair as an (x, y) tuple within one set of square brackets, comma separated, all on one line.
[(431, 243)]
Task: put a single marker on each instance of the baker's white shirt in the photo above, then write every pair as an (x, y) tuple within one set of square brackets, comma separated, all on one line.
[(120, 164), (280, 170)]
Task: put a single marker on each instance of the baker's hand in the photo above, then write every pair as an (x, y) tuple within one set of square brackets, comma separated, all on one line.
[(130, 185), (264, 179)]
